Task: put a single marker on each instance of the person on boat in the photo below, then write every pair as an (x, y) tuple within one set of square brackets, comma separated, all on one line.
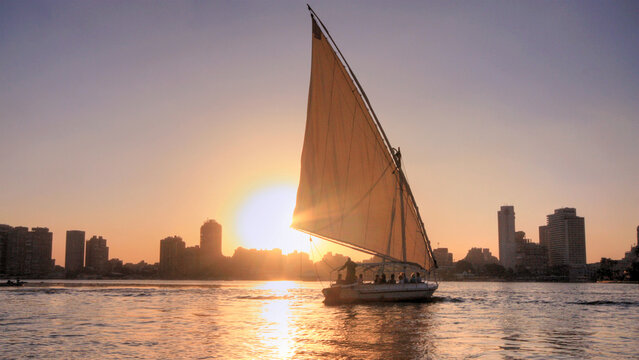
[(392, 279), (402, 278), (376, 279), (350, 271), (418, 278), (413, 279), (360, 279), (339, 279), (398, 156), (383, 279)]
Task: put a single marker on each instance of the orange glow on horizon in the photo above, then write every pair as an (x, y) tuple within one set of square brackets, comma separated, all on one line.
[(263, 220), (260, 216)]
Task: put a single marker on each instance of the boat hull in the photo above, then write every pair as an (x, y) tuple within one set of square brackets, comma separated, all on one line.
[(359, 293)]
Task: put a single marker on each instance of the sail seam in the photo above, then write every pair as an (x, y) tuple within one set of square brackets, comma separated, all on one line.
[(348, 167), (358, 86), (366, 195), (366, 113), (327, 132)]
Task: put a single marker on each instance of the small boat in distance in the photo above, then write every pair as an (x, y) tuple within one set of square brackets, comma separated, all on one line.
[(352, 188), (10, 283)]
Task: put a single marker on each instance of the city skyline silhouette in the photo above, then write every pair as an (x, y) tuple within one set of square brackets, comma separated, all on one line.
[(137, 124)]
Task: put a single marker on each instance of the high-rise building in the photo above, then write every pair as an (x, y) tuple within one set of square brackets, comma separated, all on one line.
[(480, 257), (566, 238), (544, 239), (190, 261), (543, 236), (41, 244), (97, 255), (507, 246), (4, 236), (530, 256), (171, 254), (637, 235), (27, 252), (443, 257), (210, 241), (17, 240), (74, 251)]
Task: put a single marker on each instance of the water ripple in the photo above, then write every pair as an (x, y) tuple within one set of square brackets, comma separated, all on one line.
[(281, 320)]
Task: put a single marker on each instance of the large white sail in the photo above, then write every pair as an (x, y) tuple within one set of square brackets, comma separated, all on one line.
[(349, 190)]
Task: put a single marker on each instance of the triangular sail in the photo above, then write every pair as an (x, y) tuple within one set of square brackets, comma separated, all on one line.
[(349, 190)]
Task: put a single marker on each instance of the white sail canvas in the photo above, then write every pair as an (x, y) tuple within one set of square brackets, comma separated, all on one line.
[(349, 190)]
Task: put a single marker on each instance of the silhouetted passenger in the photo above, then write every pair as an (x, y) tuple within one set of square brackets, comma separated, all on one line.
[(383, 279), (377, 280), (392, 279), (402, 278), (418, 278), (350, 271), (413, 279), (360, 280), (339, 279)]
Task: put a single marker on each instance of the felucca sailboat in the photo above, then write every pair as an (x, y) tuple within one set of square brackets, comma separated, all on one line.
[(352, 188)]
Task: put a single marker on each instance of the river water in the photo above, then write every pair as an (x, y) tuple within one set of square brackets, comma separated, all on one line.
[(282, 320)]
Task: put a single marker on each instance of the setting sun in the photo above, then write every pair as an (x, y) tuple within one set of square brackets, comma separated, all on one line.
[(263, 220)]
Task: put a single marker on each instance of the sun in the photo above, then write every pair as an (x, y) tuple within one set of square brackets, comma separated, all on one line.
[(263, 220)]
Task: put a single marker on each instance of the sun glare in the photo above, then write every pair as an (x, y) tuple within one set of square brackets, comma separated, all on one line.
[(263, 221)]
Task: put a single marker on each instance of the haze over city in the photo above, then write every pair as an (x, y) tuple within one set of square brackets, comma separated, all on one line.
[(136, 122)]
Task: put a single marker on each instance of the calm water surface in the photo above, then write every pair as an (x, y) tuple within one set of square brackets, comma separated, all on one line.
[(280, 320)]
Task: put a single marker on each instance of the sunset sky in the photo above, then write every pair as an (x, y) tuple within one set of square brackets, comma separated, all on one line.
[(137, 120)]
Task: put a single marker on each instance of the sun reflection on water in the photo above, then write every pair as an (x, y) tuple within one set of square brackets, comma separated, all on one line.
[(277, 332)]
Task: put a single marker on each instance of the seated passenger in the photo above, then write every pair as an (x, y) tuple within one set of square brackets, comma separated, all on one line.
[(392, 279), (413, 278), (418, 278), (402, 278), (376, 279), (383, 279), (360, 279), (339, 279)]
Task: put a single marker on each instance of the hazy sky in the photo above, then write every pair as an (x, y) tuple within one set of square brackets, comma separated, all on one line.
[(136, 120)]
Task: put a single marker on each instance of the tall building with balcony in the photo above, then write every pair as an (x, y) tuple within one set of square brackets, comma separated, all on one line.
[(210, 241), (171, 254), (97, 254), (566, 238), (506, 230), (74, 251)]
